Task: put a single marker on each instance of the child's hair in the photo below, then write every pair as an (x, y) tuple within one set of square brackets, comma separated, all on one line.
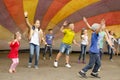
[(82, 32), (15, 35), (112, 34), (50, 29)]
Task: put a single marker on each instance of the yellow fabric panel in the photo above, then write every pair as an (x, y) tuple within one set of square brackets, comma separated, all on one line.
[(115, 29), (68, 9), (30, 6), (5, 34)]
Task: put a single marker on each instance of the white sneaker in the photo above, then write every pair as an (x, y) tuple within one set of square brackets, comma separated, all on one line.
[(55, 64), (36, 67), (68, 65), (29, 65)]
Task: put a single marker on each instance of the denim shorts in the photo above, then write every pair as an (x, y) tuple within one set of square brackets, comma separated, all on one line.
[(65, 48)]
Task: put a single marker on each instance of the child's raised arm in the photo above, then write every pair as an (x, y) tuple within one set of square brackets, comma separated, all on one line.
[(86, 22)]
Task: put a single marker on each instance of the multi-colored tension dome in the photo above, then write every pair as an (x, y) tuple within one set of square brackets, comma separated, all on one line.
[(52, 14)]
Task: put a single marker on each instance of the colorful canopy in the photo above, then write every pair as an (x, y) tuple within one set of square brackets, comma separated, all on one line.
[(52, 14)]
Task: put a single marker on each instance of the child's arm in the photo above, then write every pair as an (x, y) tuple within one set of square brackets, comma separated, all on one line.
[(42, 37), (102, 24), (108, 39), (74, 42), (27, 21), (86, 22), (62, 27)]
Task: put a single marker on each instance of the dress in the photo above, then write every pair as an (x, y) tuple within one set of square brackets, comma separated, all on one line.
[(14, 49)]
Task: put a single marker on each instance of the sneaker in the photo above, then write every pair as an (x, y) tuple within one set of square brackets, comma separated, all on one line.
[(29, 65), (95, 75), (78, 61), (68, 65), (82, 74), (99, 69), (83, 62), (55, 64), (111, 60), (36, 67)]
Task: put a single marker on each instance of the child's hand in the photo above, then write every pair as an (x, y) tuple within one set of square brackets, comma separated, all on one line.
[(84, 19), (65, 23), (9, 42), (103, 23), (25, 13)]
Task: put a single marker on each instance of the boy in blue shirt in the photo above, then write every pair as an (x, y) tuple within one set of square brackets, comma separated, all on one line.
[(94, 51), (49, 40)]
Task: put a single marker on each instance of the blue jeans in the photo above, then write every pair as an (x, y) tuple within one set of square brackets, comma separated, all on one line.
[(93, 61), (83, 52), (36, 49), (65, 48), (49, 46), (110, 52), (101, 53)]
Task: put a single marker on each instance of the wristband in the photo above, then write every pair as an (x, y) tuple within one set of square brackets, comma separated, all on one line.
[(26, 17)]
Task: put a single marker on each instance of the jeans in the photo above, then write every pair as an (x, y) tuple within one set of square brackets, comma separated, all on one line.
[(50, 50), (83, 52), (33, 48), (93, 61), (101, 53), (110, 52)]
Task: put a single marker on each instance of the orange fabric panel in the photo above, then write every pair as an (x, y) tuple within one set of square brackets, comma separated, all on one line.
[(15, 8), (111, 18), (53, 9)]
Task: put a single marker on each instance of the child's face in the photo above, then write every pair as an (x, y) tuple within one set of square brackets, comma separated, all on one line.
[(18, 36), (50, 31), (71, 26), (37, 23), (85, 31)]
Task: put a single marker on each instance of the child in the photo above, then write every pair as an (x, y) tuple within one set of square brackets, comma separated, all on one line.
[(36, 37), (13, 55), (94, 51), (84, 43), (110, 50), (67, 41), (49, 41)]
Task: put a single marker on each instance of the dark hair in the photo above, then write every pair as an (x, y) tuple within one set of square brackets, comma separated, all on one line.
[(50, 29), (82, 32), (34, 23)]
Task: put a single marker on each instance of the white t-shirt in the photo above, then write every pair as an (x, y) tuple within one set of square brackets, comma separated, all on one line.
[(119, 41), (84, 40), (35, 37)]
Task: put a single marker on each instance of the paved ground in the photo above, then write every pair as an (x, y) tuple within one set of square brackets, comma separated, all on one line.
[(46, 71)]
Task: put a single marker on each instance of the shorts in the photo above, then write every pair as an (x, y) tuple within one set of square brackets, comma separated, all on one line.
[(65, 48)]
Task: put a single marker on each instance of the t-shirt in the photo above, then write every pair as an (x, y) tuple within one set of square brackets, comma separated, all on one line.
[(14, 49), (94, 47), (49, 38), (35, 37), (101, 39), (119, 41), (84, 39), (68, 36)]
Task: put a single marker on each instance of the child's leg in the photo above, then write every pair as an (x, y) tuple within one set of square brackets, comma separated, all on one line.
[(82, 48), (50, 49), (15, 62), (46, 48), (84, 54), (97, 64)]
